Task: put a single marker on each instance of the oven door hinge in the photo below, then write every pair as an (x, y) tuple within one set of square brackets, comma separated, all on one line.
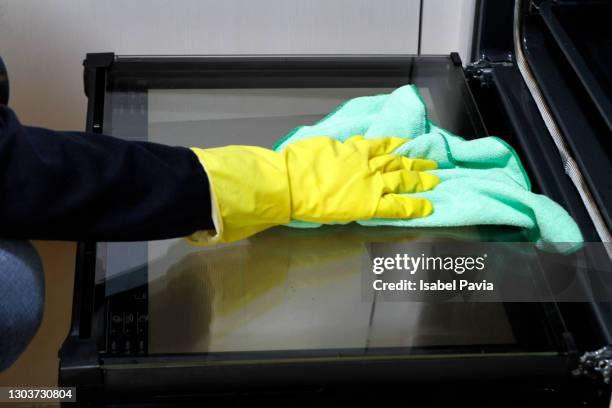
[(482, 69), (596, 365)]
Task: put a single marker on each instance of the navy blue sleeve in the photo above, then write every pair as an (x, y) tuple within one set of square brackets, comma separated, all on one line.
[(80, 186)]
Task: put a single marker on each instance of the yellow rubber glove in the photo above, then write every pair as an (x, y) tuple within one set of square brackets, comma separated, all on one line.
[(318, 179)]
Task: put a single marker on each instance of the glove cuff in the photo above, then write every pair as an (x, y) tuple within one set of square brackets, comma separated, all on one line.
[(249, 190)]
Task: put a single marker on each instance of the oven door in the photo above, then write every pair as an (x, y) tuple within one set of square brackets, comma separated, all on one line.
[(285, 309)]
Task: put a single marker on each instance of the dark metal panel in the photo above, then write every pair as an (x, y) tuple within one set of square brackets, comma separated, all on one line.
[(585, 131), (492, 37), (588, 32), (545, 369)]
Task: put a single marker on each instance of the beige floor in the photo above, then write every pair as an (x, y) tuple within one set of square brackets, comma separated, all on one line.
[(38, 365)]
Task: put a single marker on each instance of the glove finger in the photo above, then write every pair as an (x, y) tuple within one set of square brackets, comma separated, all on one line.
[(398, 206), (408, 181), (392, 162), (376, 147)]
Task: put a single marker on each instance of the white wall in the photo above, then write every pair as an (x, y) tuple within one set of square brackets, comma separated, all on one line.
[(43, 42), (448, 26)]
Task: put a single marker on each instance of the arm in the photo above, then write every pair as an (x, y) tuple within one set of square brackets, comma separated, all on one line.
[(80, 186)]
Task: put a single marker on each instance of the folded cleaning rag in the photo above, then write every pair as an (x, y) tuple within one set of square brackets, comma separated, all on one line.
[(482, 181)]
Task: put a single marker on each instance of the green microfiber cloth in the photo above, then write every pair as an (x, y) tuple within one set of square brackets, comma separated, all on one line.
[(482, 181)]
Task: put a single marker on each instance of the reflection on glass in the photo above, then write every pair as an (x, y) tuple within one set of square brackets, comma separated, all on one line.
[(284, 289), (219, 117), (288, 289)]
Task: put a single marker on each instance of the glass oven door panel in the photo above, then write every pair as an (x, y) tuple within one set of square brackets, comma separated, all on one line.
[(287, 291)]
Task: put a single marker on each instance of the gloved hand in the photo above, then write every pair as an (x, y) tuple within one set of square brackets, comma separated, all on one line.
[(318, 179)]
